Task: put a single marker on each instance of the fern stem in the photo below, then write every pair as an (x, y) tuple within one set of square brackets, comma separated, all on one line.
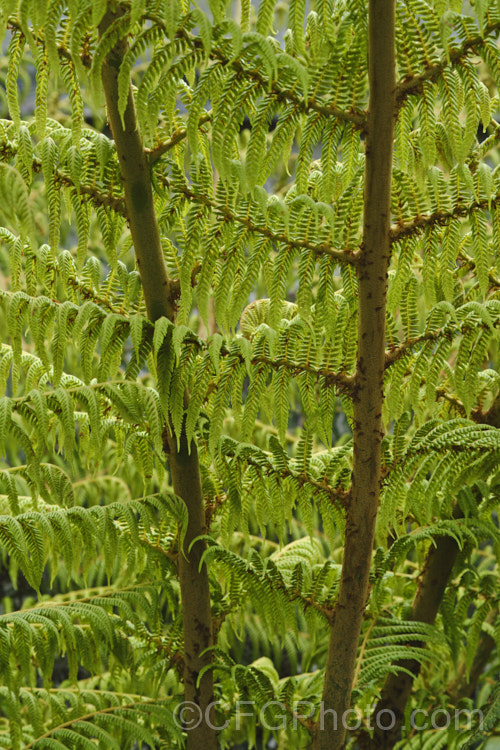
[(440, 218), (328, 109), (344, 255), (371, 271), (138, 192), (183, 458), (434, 578), (161, 148), (397, 687), (413, 85)]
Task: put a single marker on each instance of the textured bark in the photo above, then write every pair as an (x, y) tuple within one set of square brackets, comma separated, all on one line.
[(195, 593), (397, 687), (372, 269), (434, 578), (184, 464)]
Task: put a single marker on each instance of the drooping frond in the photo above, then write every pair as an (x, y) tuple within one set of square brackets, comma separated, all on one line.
[(254, 125)]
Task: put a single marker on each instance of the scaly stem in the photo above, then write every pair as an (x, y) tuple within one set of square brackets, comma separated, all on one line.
[(435, 575), (372, 270), (389, 711), (184, 464)]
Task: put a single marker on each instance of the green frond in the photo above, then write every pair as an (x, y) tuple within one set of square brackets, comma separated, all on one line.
[(254, 125)]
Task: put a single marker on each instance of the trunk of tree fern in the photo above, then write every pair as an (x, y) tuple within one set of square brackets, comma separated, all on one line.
[(434, 578), (372, 270), (389, 711), (184, 464)]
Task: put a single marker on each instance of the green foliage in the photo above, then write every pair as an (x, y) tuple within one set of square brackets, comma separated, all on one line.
[(254, 132)]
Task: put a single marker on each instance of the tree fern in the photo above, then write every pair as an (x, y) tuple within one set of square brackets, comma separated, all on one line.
[(203, 420)]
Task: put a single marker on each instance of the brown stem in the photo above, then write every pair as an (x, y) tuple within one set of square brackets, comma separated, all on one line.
[(137, 188), (372, 268), (413, 84), (397, 687), (184, 464), (434, 577), (195, 594), (439, 218)]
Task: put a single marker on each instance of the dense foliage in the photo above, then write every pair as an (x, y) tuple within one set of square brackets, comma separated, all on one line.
[(253, 120)]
